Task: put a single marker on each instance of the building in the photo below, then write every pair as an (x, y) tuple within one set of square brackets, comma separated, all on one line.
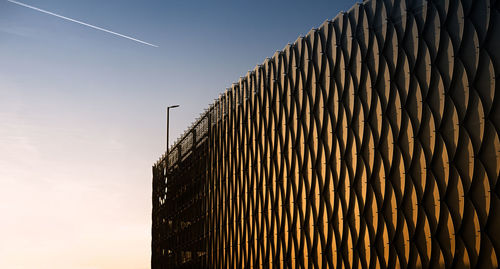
[(373, 141)]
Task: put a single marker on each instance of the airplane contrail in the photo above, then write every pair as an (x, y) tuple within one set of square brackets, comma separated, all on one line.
[(82, 23)]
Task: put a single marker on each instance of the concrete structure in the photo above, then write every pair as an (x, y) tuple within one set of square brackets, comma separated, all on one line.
[(371, 142)]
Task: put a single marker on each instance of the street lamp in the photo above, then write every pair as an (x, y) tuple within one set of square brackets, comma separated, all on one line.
[(168, 112)]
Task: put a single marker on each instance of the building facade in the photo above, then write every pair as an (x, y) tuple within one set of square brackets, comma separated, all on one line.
[(371, 142)]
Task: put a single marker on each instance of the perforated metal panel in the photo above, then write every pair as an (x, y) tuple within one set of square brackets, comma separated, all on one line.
[(371, 142)]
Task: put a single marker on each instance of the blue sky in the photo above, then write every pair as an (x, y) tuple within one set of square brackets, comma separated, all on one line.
[(82, 112)]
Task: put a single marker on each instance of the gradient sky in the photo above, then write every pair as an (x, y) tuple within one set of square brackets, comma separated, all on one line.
[(82, 112)]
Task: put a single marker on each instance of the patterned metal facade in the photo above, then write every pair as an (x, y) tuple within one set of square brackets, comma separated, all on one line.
[(371, 142)]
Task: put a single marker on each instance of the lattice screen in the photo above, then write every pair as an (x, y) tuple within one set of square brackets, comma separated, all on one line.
[(371, 142)]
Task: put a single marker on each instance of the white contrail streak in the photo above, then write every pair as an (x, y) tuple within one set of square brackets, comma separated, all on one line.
[(82, 23)]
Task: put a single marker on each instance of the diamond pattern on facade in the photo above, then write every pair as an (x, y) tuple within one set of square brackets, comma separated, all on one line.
[(371, 142)]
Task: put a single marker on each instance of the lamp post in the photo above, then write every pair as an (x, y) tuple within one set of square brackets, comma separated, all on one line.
[(168, 114)]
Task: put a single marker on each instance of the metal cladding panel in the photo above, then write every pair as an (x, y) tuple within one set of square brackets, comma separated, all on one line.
[(371, 142)]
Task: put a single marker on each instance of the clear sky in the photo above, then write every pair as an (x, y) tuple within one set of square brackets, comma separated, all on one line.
[(82, 112)]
